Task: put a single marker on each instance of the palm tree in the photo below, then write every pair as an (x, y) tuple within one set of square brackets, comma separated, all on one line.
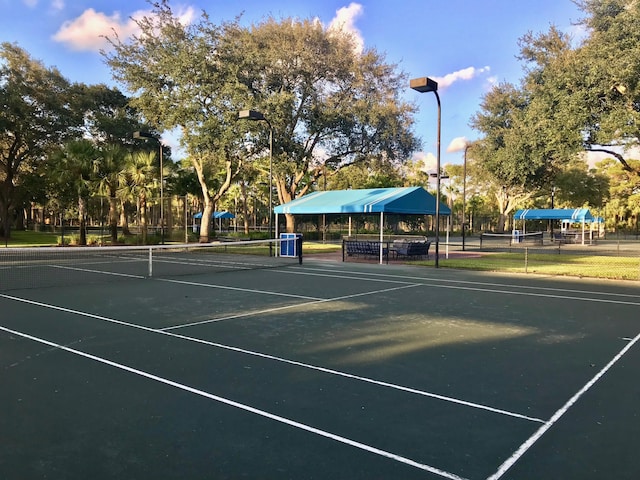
[(139, 182), (110, 172), (72, 169)]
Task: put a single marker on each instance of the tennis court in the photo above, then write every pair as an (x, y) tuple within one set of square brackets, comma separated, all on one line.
[(317, 371)]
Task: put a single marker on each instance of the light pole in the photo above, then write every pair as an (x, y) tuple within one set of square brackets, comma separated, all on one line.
[(464, 192), (258, 116), (422, 85), (553, 194), (148, 135), (444, 176)]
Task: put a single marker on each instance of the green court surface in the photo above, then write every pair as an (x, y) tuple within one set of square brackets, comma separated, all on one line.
[(321, 371)]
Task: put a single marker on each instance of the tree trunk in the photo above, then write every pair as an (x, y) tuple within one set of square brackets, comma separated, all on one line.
[(82, 220), (291, 223), (113, 218), (205, 222), (245, 210), (208, 204), (124, 221), (168, 216), (6, 189), (143, 218)]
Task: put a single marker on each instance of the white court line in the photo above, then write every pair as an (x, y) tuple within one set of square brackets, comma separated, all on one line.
[(241, 406), (489, 290), (359, 276), (239, 289), (277, 359), (270, 310), (98, 271), (556, 416)]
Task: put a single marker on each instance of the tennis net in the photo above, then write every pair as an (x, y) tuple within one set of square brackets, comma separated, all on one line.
[(60, 266)]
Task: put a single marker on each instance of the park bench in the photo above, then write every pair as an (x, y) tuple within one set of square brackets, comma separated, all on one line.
[(364, 248), (411, 250)]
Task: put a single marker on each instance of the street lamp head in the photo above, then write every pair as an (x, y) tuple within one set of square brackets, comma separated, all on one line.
[(250, 115), (142, 135), (423, 84)]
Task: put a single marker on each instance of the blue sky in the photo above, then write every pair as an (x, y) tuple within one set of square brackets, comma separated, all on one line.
[(467, 45)]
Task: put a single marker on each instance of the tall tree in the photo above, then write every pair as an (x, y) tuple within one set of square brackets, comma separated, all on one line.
[(511, 166), (330, 105), (37, 114), (72, 174), (607, 77), (140, 183), (327, 103), (184, 77), (110, 172)]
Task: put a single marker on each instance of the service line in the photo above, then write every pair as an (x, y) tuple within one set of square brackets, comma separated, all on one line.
[(279, 359)]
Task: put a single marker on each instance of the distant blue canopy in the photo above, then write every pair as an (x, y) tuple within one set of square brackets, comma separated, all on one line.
[(577, 215), (408, 201), (217, 215)]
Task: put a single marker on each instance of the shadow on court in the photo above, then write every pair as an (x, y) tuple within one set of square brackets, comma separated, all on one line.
[(341, 371)]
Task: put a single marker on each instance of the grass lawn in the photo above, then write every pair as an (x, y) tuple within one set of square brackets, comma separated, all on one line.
[(319, 247), (28, 238)]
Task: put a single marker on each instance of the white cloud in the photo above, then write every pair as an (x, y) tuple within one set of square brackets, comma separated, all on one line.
[(465, 74), (57, 5), (87, 32), (428, 161), (345, 20), (30, 3), (458, 144)]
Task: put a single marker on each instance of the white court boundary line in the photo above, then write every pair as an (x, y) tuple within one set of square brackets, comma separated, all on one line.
[(359, 276), (280, 359), (556, 416), (241, 406), (479, 289)]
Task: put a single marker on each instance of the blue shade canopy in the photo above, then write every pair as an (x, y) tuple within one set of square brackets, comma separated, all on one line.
[(216, 215), (408, 201), (575, 215)]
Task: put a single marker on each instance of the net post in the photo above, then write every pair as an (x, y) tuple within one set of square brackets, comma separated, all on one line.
[(150, 262), (299, 247)]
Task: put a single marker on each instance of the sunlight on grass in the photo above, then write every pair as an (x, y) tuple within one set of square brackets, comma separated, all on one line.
[(318, 247)]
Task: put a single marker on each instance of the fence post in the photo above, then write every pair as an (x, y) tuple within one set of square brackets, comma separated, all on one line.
[(526, 260)]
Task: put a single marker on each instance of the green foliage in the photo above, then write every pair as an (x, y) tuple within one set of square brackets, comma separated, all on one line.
[(38, 113), (327, 104), (577, 186), (573, 98)]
